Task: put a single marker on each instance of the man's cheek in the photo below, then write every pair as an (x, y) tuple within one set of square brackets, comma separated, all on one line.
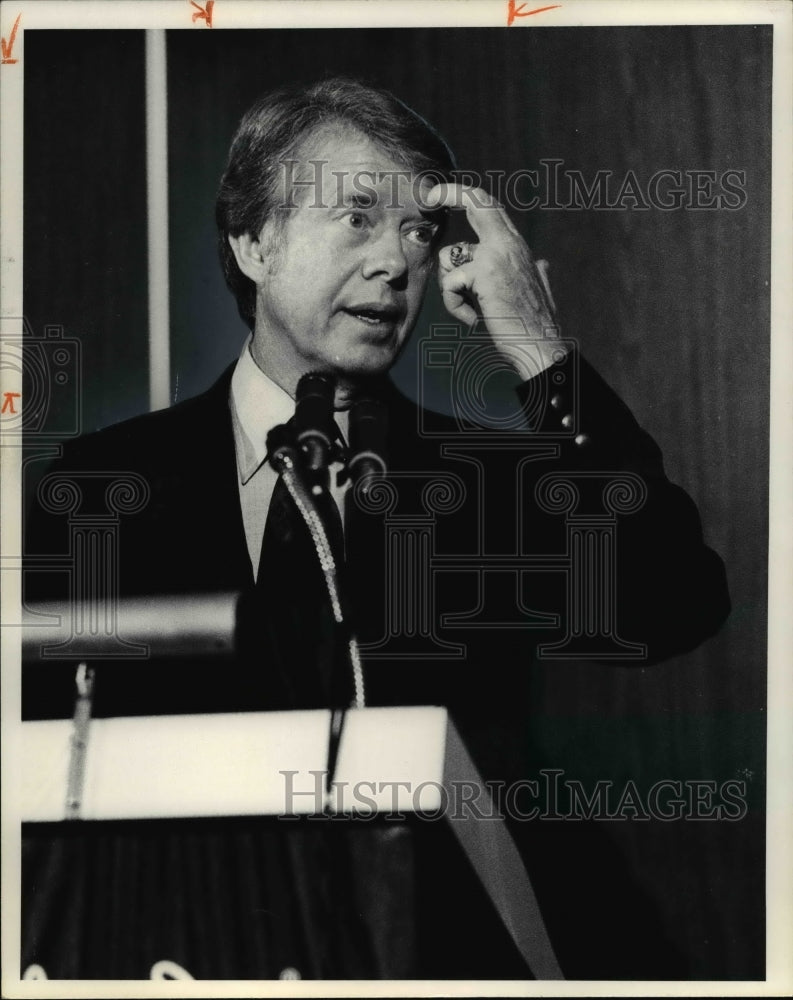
[(415, 302), (421, 276)]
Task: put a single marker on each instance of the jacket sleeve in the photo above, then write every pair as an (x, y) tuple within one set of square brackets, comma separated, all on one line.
[(667, 589)]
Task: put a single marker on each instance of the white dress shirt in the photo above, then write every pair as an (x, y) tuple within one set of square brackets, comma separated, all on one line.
[(257, 405)]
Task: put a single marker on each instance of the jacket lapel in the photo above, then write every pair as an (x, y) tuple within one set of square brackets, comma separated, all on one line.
[(214, 489)]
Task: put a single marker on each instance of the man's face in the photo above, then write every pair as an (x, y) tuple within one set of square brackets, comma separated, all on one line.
[(351, 266)]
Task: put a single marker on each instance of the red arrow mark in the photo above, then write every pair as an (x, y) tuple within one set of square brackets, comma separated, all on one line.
[(516, 10), (7, 46), (8, 401), (203, 15)]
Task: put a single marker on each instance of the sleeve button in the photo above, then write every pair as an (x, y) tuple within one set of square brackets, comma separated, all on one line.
[(567, 421), (581, 440), (557, 401)]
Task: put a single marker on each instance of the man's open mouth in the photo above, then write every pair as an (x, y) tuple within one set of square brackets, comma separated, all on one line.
[(374, 314)]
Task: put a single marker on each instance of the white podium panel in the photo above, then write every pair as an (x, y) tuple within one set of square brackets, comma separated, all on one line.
[(237, 764), (390, 760)]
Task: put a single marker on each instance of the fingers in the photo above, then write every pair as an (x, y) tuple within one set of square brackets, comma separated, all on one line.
[(445, 255), (457, 281), (487, 217), (456, 285)]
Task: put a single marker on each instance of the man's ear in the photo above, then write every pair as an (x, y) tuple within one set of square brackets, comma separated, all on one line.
[(249, 254)]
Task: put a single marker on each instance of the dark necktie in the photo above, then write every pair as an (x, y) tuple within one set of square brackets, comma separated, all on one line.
[(309, 652)]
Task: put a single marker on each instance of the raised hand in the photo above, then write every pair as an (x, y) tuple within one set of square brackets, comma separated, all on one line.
[(497, 277)]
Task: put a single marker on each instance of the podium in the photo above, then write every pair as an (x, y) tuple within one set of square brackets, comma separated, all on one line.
[(237, 764), (391, 762), (223, 771)]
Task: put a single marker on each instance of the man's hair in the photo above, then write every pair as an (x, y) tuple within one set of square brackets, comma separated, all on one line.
[(272, 131)]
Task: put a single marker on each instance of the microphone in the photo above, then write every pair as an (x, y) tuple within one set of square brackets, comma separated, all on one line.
[(281, 448), (368, 429), (315, 431)]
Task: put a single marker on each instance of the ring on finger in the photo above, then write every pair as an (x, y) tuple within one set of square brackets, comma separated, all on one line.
[(460, 253)]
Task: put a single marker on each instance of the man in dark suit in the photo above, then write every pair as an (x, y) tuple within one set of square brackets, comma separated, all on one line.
[(331, 215)]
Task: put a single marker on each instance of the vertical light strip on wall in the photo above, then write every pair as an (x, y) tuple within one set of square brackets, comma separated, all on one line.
[(157, 208)]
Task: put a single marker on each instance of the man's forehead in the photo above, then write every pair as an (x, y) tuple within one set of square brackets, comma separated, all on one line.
[(346, 168)]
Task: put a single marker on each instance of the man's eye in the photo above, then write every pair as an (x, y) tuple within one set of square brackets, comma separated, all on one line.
[(356, 219), (422, 235)]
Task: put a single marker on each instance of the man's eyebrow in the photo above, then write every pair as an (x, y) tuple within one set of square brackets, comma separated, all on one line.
[(434, 216), (357, 199), (424, 220), (370, 199)]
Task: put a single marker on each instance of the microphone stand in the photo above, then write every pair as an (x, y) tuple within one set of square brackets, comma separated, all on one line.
[(286, 459), (301, 454)]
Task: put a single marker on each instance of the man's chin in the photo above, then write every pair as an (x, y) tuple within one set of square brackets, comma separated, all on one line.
[(369, 361)]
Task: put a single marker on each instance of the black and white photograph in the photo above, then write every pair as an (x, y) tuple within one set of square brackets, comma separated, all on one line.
[(396, 498)]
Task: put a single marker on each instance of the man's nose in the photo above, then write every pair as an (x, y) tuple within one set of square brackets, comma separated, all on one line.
[(385, 258)]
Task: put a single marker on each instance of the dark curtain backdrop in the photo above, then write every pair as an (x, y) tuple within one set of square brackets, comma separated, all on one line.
[(671, 307)]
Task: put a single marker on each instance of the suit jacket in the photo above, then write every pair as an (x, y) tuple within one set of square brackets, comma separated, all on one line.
[(669, 592), (669, 588)]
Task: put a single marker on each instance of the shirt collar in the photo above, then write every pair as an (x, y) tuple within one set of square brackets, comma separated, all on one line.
[(257, 405)]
